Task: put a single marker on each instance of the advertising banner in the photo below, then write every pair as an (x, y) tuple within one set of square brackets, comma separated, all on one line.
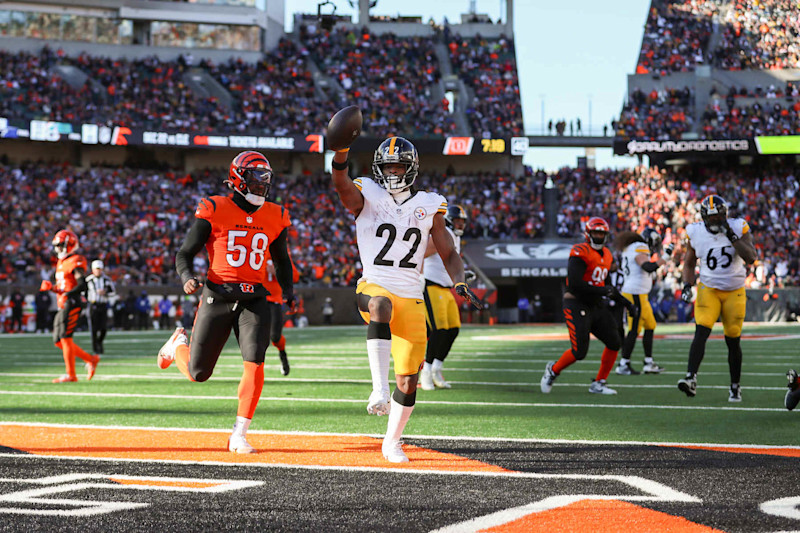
[(681, 147), (520, 259)]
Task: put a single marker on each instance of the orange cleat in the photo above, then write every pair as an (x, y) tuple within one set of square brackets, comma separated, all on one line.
[(66, 378), (92, 367)]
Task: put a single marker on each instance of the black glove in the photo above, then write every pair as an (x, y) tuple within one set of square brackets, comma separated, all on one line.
[(463, 290), (469, 276), (726, 228), (686, 293)]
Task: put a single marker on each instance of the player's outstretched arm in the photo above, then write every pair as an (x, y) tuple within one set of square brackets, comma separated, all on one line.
[(349, 194)]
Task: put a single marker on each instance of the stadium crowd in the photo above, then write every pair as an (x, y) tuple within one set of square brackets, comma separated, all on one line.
[(142, 212)]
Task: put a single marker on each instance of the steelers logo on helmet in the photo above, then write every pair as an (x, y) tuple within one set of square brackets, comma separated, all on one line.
[(596, 232), (652, 238), (714, 212), (396, 152), (250, 175), (456, 213), (65, 243)]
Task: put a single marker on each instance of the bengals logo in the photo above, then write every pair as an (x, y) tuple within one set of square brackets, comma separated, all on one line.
[(247, 288)]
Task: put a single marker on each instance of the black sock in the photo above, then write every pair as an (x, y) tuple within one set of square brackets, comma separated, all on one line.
[(698, 349), (734, 358), (629, 343), (449, 338), (647, 344), (434, 345)]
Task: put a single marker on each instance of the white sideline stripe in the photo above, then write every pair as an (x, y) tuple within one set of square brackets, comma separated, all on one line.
[(425, 402), (173, 377), (425, 437)]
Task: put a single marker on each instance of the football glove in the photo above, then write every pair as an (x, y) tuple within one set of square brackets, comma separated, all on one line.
[(46, 286), (469, 276), (463, 290), (686, 293)]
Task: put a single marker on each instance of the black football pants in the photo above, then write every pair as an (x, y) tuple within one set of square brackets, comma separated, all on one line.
[(584, 319), (216, 317)]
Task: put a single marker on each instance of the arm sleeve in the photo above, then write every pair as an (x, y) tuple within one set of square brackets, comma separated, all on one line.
[(576, 267), (80, 288), (283, 264), (192, 244), (649, 267)]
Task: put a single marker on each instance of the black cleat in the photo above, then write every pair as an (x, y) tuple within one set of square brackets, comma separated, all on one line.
[(688, 386), (793, 394), (284, 363)]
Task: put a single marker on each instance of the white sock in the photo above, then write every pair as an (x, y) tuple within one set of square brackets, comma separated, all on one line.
[(398, 416), (379, 353), (648, 360), (426, 366), (437, 364), (623, 361), (241, 426)]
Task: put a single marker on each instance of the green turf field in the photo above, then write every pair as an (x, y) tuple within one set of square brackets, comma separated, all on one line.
[(495, 388)]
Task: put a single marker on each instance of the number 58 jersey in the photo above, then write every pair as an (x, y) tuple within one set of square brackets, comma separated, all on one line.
[(720, 265), (392, 238), (238, 246)]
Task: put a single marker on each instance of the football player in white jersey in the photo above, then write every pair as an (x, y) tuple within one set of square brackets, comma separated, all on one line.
[(723, 247), (638, 268), (393, 225), (444, 320)]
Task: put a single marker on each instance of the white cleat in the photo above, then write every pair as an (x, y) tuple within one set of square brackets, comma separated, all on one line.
[(652, 368), (546, 384), (167, 352), (393, 452), (438, 380), (238, 444), (599, 387), (426, 380), (378, 403)]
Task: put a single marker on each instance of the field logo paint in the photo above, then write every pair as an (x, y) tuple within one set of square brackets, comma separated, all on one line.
[(54, 485), (783, 507), (653, 490)]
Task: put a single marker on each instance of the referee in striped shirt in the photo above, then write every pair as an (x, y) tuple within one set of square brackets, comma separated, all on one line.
[(99, 288)]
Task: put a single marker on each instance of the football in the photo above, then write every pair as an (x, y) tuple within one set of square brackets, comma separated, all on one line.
[(343, 128)]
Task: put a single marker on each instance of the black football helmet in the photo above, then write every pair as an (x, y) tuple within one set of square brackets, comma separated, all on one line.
[(714, 211), (395, 150), (455, 212), (652, 238)]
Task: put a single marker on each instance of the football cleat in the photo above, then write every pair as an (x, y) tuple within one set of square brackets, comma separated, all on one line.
[(393, 451), (735, 394), (66, 378), (284, 362), (438, 379), (652, 368), (167, 352), (689, 386), (91, 367), (599, 387), (426, 379), (549, 377), (237, 443), (378, 403), (791, 376), (625, 369)]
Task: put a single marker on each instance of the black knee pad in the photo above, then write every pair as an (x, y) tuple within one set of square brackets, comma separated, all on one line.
[(379, 330), (404, 399)]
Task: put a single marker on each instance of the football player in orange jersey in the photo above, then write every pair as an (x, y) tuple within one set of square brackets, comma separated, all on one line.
[(589, 265), (70, 283), (240, 232), (275, 299)]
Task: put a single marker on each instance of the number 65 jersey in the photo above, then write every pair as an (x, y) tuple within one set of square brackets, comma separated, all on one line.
[(720, 265), (392, 238)]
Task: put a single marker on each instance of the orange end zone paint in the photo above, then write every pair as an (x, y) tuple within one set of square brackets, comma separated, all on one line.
[(306, 450), (607, 515)]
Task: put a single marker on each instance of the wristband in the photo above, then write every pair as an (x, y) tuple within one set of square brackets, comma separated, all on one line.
[(732, 236), (339, 166)]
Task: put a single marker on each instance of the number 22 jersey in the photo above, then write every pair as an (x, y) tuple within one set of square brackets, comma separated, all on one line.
[(720, 265), (392, 238)]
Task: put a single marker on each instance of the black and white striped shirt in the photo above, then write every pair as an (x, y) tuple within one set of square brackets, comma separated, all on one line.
[(97, 283)]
